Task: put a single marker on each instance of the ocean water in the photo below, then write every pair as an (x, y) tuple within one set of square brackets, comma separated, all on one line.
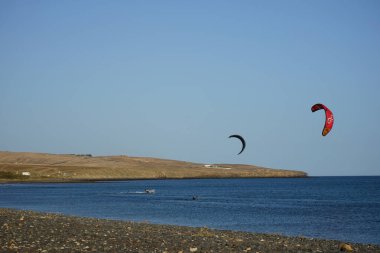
[(342, 208)]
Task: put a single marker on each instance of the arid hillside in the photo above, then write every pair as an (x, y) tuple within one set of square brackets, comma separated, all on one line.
[(20, 166)]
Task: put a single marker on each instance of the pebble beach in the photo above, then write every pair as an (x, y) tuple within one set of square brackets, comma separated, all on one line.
[(28, 231)]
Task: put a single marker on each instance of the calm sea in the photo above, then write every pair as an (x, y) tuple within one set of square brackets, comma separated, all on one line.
[(342, 208)]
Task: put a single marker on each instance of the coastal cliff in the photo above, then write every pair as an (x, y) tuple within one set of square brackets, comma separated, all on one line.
[(39, 167)]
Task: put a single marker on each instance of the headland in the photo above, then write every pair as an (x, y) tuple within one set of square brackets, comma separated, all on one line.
[(41, 167)]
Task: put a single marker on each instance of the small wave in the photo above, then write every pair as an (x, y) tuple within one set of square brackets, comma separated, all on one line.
[(132, 192), (137, 192)]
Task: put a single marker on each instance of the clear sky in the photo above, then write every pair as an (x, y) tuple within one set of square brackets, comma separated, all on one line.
[(173, 79)]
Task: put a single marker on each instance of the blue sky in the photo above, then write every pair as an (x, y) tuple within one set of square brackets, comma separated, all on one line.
[(173, 79)]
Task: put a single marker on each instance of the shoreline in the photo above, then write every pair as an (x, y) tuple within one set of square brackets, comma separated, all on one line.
[(30, 231), (105, 180)]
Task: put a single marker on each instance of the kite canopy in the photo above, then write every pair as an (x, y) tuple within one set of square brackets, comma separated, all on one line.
[(241, 139), (329, 122)]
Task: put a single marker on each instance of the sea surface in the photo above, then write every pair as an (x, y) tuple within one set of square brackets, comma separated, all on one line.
[(342, 208)]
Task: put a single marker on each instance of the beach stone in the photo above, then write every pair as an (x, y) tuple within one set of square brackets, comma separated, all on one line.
[(345, 247), (193, 249), (5, 226), (12, 245)]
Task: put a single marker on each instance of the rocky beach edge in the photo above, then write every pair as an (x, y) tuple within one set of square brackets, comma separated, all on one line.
[(29, 231)]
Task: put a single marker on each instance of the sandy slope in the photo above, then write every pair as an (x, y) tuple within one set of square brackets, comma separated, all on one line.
[(53, 167)]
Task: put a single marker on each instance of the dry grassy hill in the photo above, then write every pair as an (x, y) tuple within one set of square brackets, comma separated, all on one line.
[(72, 167)]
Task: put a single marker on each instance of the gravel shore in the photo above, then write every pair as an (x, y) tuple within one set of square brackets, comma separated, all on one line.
[(27, 231)]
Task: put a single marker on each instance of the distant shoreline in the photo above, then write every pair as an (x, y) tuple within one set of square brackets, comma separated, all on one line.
[(29, 231), (154, 179), (131, 179)]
